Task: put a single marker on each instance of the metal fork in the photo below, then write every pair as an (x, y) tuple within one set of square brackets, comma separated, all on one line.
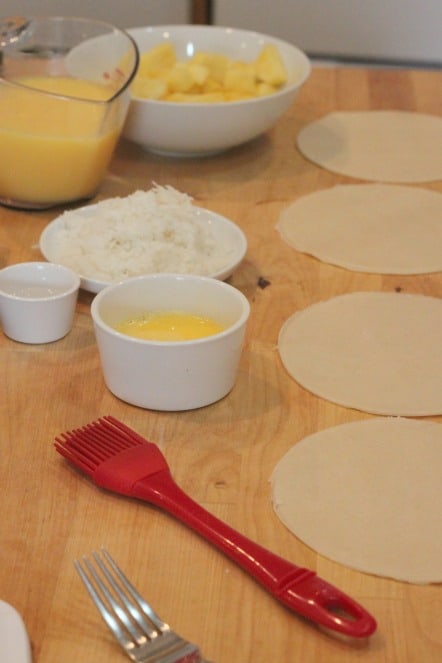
[(141, 633)]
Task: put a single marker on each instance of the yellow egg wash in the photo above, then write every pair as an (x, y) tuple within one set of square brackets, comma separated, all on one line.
[(169, 326), (55, 149)]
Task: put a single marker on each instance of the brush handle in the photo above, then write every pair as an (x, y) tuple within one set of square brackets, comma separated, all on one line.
[(297, 588)]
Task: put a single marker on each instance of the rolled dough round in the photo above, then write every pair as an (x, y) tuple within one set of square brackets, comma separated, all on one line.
[(374, 351), (367, 494), (380, 228), (382, 146)]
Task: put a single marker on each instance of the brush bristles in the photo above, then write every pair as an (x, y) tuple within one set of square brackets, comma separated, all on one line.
[(89, 446)]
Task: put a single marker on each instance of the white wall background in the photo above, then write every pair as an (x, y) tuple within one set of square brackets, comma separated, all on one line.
[(384, 30), (122, 13), (398, 30)]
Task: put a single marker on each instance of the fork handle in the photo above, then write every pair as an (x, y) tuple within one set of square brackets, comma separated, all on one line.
[(297, 588)]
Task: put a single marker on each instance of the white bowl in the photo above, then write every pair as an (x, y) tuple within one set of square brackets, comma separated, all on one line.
[(37, 301), (197, 129), (178, 375), (224, 231)]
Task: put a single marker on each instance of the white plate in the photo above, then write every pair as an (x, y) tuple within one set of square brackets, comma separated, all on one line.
[(223, 230), (14, 641)]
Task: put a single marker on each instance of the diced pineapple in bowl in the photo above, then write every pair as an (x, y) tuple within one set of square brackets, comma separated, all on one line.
[(200, 90)]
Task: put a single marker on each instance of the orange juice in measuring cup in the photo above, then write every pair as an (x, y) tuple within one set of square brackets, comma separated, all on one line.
[(64, 95)]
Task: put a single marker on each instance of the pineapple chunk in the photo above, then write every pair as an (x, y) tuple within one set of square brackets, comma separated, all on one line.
[(207, 77), (212, 86), (216, 63), (199, 73), (149, 88), (236, 95), (263, 89), (196, 97), (157, 59), (179, 78), (240, 77), (269, 66)]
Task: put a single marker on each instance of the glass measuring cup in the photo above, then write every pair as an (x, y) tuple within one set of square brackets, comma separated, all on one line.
[(64, 95)]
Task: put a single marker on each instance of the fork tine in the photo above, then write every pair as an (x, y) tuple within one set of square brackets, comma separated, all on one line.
[(139, 630), (146, 608), (138, 636), (122, 593), (108, 617)]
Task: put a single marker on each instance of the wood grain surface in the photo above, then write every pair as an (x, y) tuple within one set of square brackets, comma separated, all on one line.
[(222, 455)]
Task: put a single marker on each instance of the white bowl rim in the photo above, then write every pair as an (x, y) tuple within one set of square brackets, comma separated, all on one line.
[(41, 265), (170, 277), (288, 88)]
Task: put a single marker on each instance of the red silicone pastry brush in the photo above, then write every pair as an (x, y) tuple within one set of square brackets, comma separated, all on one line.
[(120, 460)]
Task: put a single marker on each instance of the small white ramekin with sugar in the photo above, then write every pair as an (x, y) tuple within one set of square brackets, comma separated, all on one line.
[(37, 301)]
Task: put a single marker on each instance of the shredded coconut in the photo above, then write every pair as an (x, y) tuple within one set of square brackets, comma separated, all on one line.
[(149, 231)]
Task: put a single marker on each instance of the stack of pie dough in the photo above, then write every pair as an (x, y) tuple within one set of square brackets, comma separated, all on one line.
[(368, 494)]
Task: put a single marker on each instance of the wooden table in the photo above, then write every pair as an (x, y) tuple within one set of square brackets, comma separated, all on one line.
[(222, 455)]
